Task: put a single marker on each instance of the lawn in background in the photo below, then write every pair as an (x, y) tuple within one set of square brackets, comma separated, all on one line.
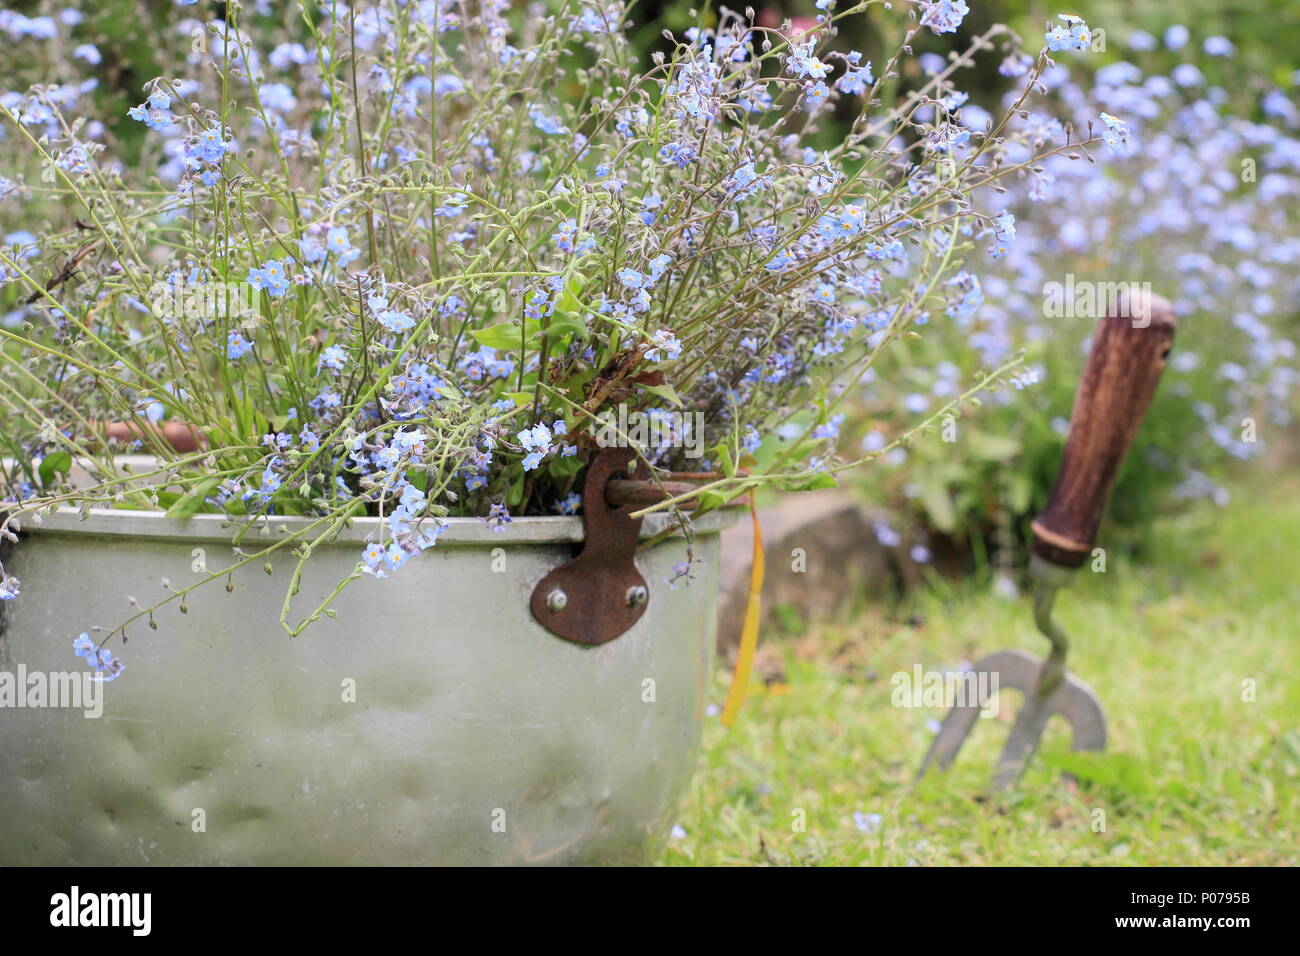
[(1193, 775)]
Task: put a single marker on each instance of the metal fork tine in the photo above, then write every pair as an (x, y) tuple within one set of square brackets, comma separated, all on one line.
[(1016, 670)]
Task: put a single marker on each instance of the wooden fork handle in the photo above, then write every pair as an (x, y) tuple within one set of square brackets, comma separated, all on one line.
[(1129, 351)]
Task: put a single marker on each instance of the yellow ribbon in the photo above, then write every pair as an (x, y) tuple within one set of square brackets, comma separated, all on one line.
[(749, 631)]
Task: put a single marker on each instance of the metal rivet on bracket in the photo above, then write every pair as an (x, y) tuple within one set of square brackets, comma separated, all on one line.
[(595, 586)]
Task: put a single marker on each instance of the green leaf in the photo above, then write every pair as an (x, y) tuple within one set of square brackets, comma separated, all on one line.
[(507, 335), (1019, 491), (988, 447), (60, 461), (666, 392), (566, 323), (822, 480), (192, 500), (565, 467), (449, 391), (710, 500), (938, 505), (723, 454)]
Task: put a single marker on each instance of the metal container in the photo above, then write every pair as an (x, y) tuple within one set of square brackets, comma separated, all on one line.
[(433, 721)]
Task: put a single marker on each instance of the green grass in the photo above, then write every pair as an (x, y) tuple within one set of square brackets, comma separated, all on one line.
[(1193, 774)]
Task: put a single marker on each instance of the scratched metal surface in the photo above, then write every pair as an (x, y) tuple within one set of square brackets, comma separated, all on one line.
[(467, 712)]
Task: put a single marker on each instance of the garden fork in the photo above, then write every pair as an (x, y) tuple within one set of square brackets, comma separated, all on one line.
[(1128, 354)]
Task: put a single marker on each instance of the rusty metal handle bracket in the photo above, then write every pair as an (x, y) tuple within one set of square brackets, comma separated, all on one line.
[(599, 594)]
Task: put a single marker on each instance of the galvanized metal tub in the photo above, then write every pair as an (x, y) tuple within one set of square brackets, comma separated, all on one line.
[(475, 736)]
